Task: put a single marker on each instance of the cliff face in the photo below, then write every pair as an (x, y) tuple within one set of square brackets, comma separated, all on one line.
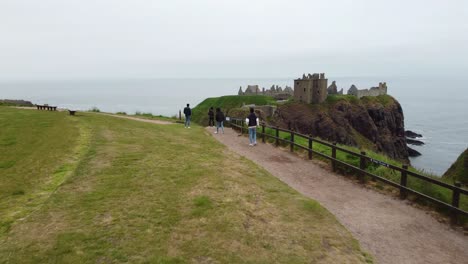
[(375, 123)]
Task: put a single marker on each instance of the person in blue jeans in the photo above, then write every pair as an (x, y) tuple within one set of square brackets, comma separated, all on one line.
[(219, 120), (252, 122), (188, 115)]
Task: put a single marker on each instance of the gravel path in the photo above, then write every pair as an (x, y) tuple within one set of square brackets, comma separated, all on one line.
[(391, 230)]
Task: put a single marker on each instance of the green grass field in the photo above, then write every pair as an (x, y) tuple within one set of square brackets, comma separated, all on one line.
[(97, 189)]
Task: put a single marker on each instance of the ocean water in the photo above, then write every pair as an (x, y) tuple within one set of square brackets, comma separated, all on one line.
[(435, 107)]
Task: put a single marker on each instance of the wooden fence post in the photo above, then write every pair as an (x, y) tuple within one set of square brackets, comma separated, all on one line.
[(292, 141), (403, 182), (455, 203), (362, 166), (180, 115), (242, 126), (277, 136), (263, 132), (310, 147), (334, 156)]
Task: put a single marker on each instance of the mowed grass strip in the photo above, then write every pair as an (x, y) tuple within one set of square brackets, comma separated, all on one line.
[(37, 152), (146, 193)]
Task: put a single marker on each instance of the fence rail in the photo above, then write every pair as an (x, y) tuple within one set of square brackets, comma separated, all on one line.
[(364, 160)]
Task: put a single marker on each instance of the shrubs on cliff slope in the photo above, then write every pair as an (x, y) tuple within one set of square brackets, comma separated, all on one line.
[(459, 169), (226, 103)]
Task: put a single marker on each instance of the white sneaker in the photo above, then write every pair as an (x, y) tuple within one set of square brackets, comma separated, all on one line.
[(251, 145), (255, 144), (216, 132), (188, 127)]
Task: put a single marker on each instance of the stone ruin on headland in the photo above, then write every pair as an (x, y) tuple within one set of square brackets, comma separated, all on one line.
[(275, 91), (312, 88), (373, 91)]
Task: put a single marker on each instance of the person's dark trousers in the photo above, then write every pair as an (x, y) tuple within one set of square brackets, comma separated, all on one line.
[(211, 122)]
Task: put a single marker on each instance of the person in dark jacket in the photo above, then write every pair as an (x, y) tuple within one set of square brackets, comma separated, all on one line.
[(211, 117), (219, 120), (252, 122), (188, 115)]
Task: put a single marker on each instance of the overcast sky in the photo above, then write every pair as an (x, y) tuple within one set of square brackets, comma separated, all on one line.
[(88, 39)]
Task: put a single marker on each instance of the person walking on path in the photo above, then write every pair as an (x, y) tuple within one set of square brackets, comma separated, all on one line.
[(252, 122), (188, 115), (211, 117), (219, 120)]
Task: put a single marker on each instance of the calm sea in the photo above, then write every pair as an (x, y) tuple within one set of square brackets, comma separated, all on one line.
[(436, 108)]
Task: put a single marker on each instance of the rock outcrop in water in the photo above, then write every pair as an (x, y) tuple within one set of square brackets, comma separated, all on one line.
[(414, 142), (375, 123), (413, 152), (411, 134)]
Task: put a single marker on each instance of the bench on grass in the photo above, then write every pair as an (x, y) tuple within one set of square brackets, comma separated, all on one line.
[(46, 107)]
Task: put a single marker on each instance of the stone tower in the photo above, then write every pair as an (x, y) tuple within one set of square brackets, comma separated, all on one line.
[(240, 92), (311, 88)]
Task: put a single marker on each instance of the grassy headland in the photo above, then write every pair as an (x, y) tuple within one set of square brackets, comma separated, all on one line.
[(118, 190)]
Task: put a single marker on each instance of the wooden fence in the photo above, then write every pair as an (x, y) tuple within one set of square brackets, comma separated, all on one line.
[(456, 189)]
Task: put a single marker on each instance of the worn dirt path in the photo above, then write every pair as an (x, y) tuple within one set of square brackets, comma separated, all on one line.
[(153, 121), (392, 231)]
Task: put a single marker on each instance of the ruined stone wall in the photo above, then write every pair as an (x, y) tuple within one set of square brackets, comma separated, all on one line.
[(274, 91), (373, 91), (268, 110)]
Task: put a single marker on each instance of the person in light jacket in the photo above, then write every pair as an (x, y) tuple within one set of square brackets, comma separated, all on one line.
[(252, 122)]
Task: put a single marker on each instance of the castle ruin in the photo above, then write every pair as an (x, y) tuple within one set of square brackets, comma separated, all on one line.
[(251, 90), (275, 91), (333, 89), (311, 88), (373, 91)]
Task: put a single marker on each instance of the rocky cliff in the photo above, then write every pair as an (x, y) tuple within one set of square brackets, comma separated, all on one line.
[(375, 123)]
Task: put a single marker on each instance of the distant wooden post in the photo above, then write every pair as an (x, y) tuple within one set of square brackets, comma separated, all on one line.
[(242, 126), (404, 182), (334, 156), (291, 146), (263, 132), (310, 147), (180, 115), (362, 166), (455, 203), (277, 136)]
